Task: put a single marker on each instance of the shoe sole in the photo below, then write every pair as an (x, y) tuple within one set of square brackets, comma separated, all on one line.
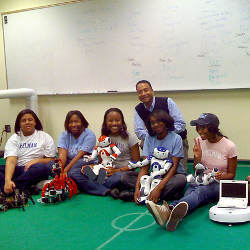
[(153, 211), (176, 216)]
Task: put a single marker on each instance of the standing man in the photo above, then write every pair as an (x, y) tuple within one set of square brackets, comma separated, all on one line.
[(148, 104)]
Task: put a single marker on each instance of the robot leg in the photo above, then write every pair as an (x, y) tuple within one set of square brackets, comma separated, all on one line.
[(154, 183), (90, 173), (101, 176), (97, 168), (145, 188)]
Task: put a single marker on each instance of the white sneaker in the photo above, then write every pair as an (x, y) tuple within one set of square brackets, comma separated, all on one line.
[(176, 215), (160, 212)]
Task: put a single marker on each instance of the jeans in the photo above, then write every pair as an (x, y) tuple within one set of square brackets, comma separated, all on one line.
[(199, 195), (24, 179), (89, 186), (128, 180), (174, 188)]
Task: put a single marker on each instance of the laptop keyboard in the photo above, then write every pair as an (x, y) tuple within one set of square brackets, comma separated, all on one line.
[(229, 204)]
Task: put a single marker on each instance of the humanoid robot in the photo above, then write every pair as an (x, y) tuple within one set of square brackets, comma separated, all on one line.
[(106, 152), (200, 178), (159, 165)]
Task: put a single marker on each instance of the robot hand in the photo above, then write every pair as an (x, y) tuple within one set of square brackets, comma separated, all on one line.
[(211, 176), (109, 164), (87, 158), (114, 156), (133, 164)]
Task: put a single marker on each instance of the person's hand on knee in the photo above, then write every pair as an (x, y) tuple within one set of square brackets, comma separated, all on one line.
[(137, 195), (9, 187)]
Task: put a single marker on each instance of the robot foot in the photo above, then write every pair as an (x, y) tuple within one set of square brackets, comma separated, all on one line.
[(142, 200), (101, 176), (89, 172)]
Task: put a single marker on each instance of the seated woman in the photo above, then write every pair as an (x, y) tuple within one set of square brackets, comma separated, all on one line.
[(115, 127), (174, 181), (75, 142), (211, 149), (28, 154)]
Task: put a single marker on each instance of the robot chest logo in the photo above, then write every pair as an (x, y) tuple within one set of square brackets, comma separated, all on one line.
[(103, 152), (156, 166)]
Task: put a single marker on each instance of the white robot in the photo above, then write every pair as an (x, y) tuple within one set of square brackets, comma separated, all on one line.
[(106, 153), (159, 164), (200, 178)]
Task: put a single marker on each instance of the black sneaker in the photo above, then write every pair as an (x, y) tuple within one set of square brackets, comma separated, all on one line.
[(115, 192), (126, 195)]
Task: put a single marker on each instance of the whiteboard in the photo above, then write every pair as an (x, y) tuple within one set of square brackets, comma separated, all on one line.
[(103, 46)]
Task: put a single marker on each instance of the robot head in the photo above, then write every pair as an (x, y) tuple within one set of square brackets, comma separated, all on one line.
[(104, 141), (200, 169), (161, 153)]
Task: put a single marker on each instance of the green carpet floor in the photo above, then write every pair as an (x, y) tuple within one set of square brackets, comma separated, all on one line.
[(92, 222)]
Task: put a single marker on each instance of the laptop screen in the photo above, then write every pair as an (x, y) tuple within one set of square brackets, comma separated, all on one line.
[(235, 190)]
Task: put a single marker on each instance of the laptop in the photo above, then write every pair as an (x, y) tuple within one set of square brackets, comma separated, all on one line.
[(233, 194)]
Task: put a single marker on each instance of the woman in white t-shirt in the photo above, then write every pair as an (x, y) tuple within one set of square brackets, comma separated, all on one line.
[(28, 154), (212, 150)]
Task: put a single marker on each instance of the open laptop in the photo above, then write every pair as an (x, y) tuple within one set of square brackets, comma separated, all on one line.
[(233, 194)]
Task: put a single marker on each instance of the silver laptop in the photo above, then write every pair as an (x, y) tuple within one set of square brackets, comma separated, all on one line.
[(233, 194)]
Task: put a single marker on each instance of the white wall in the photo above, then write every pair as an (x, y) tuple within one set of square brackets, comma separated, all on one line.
[(231, 106)]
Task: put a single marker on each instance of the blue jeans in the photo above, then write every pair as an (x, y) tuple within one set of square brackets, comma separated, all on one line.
[(196, 195), (24, 179), (91, 187)]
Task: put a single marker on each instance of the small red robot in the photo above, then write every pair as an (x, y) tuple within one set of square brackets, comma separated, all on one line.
[(57, 189), (106, 152)]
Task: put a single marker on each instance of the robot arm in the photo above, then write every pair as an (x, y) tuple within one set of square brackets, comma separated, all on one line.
[(168, 165), (116, 150), (211, 176), (138, 164), (93, 156), (213, 173)]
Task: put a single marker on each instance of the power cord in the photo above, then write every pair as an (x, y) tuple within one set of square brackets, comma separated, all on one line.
[(6, 130)]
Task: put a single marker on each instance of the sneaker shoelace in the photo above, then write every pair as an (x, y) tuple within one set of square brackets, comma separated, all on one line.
[(163, 208)]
